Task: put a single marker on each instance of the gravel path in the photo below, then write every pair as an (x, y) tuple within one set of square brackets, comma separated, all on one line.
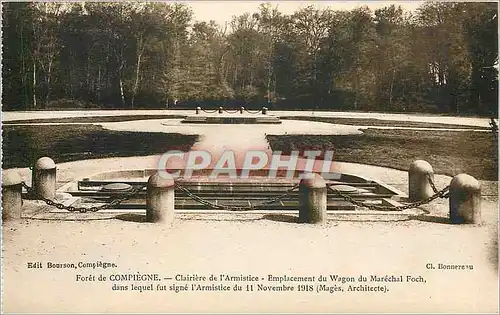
[(260, 247)]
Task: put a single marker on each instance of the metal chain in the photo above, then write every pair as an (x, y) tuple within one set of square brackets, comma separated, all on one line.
[(61, 206), (231, 111), (431, 182), (252, 112), (234, 208), (209, 111), (443, 193)]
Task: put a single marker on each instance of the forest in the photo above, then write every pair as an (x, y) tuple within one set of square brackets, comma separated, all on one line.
[(441, 58)]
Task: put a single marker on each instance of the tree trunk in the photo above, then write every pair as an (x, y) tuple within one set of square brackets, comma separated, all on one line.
[(34, 84), (235, 75), (48, 81), (137, 72), (274, 86), (122, 94), (90, 79), (98, 90), (392, 86), (269, 74), (403, 94), (356, 90), (23, 70), (226, 71)]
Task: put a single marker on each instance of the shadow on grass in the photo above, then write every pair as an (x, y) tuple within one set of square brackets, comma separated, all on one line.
[(95, 119), (432, 219), (132, 217), (218, 219), (449, 152), (22, 145), (383, 123), (288, 218)]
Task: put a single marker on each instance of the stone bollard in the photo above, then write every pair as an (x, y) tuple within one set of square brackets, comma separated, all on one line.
[(45, 178), (242, 109), (312, 199), (465, 200), (418, 180), (11, 195), (264, 110), (198, 110), (220, 110), (160, 199)]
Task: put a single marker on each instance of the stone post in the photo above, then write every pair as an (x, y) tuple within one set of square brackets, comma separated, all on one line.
[(418, 180), (11, 195), (198, 110), (160, 199), (242, 109), (264, 110), (465, 200), (45, 178), (220, 110), (312, 199)]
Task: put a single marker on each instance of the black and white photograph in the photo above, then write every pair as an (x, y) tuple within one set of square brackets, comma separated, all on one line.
[(209, 157)]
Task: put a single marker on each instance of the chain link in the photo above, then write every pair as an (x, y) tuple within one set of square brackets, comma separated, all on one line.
[(234, 208), (253, 112), (443, 193), (61, 206), (431, 183), (231, 111), (209, 111)]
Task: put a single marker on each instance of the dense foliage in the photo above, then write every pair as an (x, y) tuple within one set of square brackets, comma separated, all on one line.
[(441, 58)]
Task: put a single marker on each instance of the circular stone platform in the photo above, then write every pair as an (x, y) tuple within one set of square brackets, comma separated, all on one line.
[(231, 119)]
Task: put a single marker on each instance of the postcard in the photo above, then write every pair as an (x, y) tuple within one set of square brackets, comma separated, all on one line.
[(250, 157)]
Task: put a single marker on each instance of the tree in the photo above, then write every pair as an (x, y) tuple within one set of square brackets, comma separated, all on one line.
[(393, 51), (446, 51), (481, 29), (270, 26), (357, 39), (444, 57), (17, 61), (46, 46)]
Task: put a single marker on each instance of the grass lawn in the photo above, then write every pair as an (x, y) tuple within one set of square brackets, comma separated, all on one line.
[(379, 122), (343, 121), (449, 152), (65, 143), (93, 119)]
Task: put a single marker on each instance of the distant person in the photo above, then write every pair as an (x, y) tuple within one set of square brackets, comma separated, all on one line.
[(493, 125)]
